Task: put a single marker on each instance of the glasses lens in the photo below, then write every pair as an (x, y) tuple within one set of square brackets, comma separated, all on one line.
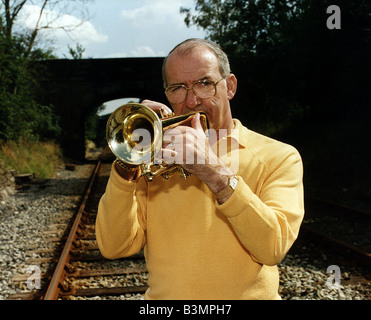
[(204, 89), (176, 94)]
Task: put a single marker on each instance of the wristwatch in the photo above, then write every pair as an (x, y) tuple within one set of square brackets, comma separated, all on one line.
[(123, 165), (130, 172), (232, 184)]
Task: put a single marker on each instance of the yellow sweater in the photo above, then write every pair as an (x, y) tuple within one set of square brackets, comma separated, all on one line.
[(198, 249)]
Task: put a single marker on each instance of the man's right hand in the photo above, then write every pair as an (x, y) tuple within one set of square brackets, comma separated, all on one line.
[(157, 106)]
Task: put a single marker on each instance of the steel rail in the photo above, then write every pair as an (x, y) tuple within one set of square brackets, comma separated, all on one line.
[(341, 246), (53, 290), (331, 204), (360, 255)]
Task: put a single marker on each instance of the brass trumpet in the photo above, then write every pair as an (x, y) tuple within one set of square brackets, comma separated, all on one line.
[(135, 132)]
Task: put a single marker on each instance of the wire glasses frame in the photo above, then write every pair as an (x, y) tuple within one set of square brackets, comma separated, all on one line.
[(203, 89)]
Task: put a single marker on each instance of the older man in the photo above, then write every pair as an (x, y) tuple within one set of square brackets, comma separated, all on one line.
[(220, 233)]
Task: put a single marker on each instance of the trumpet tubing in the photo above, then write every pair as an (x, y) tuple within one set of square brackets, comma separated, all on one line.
[(132, 121)]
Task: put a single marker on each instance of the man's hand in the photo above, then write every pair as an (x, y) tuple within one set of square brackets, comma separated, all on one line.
[(155, 106), (189, 147)]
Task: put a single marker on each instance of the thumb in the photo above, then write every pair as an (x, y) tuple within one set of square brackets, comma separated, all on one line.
[(196, 123)]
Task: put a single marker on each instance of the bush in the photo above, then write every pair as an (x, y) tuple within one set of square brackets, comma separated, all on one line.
[(28, 155), (20, 114)]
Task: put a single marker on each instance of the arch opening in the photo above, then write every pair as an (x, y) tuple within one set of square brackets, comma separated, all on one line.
[(95, 125)]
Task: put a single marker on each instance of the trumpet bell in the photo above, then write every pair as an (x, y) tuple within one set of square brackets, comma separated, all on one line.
[(134, 133)]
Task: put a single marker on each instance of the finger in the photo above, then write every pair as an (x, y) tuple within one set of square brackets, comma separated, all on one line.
[(174, 135), (156, 106), (166, 110), (196, 122), (168, 156)]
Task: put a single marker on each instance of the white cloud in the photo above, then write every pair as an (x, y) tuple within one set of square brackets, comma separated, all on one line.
[(141, 51), (78, 30), (116, 55), (154, 14), (153, 28), (145, 51), (116, 29)]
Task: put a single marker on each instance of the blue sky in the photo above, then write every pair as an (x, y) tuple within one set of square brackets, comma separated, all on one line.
[(139, 27), (117, 28)]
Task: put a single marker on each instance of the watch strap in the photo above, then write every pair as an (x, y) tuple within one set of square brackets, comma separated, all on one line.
[(131, 172), (226, 191)]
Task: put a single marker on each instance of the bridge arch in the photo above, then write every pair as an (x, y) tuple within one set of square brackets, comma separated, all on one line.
[(76, 87), (96, 119)]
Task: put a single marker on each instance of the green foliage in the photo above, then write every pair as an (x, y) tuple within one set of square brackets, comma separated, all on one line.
[(77, 53), (302, 82), (242, 27), (92, 126), (20, 114), (297, 68)]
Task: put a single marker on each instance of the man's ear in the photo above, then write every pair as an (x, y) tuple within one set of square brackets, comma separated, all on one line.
[(231, 86)]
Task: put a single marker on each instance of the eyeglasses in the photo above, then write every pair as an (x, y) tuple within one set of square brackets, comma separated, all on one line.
[(203, 89)]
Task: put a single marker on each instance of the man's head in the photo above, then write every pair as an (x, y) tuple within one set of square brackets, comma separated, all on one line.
[(200, 64), (188, 45)]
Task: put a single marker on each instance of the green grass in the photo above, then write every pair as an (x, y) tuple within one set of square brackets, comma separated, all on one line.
[(30, 156)]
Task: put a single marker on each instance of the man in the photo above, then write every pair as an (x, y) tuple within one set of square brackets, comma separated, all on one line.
[(220, 233)]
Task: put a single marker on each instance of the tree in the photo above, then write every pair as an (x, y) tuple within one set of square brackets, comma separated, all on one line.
[(77, 53), (243, 27), (296, 65), (302, 82), (20, 114), (48, 15)]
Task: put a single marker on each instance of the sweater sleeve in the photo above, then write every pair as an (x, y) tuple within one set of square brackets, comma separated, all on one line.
[(267, 224), (121, 224)]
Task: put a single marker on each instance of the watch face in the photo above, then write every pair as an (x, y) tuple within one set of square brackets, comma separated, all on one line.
[(233, 182)]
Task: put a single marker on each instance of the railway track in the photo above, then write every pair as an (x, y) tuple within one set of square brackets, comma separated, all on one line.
[(98, 276), (339, 228), (81, 272)]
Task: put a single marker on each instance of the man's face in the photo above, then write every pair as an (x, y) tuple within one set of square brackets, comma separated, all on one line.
[(201, 64)]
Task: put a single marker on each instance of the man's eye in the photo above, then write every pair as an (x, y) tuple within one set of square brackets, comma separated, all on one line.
[(175, 89), (206, 83)]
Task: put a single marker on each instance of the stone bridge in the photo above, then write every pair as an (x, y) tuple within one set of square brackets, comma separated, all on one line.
[(77, 87)]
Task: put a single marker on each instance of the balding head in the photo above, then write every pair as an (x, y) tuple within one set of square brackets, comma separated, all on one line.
[(187, 46)]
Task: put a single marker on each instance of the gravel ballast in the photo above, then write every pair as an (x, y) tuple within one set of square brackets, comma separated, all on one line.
[(31, 217)]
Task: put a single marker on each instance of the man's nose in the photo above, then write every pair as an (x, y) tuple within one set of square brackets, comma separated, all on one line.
[(192, 100)]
